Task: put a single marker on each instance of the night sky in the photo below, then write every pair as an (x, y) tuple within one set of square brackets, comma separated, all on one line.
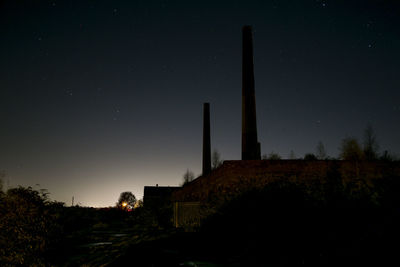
[(100, 97)]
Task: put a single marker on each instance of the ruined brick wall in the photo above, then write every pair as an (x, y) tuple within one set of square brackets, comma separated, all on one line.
[(234, 177)]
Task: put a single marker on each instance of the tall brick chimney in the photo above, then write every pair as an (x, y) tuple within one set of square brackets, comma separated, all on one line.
[(250, 144), (206, 140)]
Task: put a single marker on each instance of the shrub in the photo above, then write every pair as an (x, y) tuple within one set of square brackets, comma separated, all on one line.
[(28, 226)]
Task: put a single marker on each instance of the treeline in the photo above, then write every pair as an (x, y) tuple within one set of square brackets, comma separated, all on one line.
[(350, 149)]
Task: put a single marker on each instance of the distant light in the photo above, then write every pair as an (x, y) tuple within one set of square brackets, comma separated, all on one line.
[(124, 204)]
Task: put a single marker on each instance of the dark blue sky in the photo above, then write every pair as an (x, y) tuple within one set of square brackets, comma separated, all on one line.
[(100, 97)]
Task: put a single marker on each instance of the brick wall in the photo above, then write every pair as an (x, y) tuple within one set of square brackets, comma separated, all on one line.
[(234, 177)]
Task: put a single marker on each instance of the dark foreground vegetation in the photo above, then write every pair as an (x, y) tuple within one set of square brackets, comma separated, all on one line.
[(35, 231), (283, 224), (287, 224)]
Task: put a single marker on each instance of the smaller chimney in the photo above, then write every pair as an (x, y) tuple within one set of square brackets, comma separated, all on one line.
[(206, 140)]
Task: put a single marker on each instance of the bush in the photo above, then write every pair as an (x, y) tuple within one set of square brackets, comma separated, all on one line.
[(310, 156), (350, 149), (28, 226)]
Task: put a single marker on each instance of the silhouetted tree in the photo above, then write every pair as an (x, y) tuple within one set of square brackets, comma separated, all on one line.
[(274, 156), (310, 156), (350, 149), (215, 159), (387, 156), (139, 203), (292, 155), (321, 152), (126, 200), (188, 177), (370, 143)]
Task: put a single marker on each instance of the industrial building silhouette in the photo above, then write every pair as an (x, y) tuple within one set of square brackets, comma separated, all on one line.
[(203, 196)]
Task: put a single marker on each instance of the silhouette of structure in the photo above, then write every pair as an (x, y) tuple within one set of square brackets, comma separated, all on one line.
[(158, 196), (250, 145), (204, 195), (206, 140)]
